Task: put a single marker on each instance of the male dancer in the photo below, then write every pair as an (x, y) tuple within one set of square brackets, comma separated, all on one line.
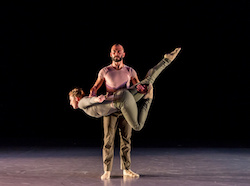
[(117, 75)]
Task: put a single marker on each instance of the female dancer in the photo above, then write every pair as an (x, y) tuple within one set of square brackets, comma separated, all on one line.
[(124, 100)]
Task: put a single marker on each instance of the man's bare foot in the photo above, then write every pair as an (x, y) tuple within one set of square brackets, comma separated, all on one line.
[(130, 174), (172, 55), (106, 175), (149, 94)]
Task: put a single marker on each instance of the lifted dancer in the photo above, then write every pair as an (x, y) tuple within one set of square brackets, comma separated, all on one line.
[(124, 100)]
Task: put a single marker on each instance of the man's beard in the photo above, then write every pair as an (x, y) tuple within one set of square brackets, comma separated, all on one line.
[(117, 59)]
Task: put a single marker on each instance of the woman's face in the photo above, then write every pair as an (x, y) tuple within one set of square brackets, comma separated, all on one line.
[(73, 102)]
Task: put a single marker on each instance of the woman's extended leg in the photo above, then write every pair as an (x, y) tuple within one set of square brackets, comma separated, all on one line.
[(154, 72), (125, 100)]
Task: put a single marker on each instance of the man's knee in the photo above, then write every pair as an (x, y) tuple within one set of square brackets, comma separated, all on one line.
[(108, 142)]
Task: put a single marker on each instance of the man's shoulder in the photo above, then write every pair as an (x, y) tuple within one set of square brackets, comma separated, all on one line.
[(128, 68), (106, 68)]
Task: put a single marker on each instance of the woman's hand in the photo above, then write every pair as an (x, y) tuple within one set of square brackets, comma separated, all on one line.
[(100, 98)]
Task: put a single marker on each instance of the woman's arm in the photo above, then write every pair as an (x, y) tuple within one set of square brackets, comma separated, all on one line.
[(100, 98), (89, 101)]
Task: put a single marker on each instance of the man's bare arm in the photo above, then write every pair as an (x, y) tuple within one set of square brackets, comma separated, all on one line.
[(135, 80), (97, 85)]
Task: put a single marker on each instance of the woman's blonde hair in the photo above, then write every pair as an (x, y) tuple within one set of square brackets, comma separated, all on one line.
[(77, 92)]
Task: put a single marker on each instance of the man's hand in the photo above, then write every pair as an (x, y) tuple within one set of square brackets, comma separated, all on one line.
[(142, 89), (100, 98), (97, 85)]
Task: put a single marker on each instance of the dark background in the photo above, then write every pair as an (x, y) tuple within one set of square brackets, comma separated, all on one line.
[(48, 48)]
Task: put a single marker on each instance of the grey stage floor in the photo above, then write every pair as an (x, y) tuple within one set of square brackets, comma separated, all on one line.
[(157, 166)]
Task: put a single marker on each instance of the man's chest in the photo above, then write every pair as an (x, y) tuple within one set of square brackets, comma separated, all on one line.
[(117, 77)]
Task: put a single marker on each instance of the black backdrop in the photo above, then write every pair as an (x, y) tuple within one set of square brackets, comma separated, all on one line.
[(47, 48)]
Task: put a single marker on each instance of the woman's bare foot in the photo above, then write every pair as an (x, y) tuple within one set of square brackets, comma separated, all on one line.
[(172, 55)]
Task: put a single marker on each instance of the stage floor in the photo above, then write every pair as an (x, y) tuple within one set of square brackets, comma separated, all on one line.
[(38, 166)]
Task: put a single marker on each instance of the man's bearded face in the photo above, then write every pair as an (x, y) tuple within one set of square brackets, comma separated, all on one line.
[(117, 58), (117, 53)]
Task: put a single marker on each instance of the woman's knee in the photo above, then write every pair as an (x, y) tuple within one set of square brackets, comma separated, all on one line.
[(137, 128)]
